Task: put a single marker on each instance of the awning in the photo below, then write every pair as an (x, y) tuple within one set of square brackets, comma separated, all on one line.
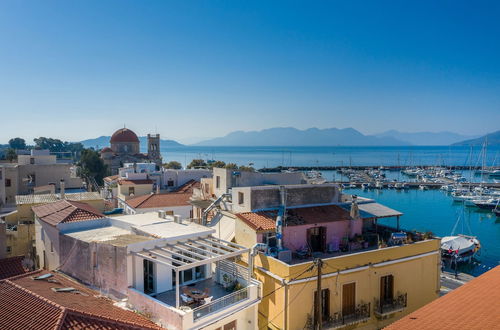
[(372, 210), (192, 253)]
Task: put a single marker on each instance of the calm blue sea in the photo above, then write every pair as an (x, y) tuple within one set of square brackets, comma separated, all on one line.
[(334, 156)]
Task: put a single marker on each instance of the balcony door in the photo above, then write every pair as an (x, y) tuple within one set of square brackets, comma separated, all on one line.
[(348, 299), (386, 289), (149, 276), (316, 238)]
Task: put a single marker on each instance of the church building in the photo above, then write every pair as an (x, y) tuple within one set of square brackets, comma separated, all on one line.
[(125, 148)]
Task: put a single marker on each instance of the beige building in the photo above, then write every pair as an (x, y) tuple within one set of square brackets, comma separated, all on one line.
[(133, 188), (35, 170)]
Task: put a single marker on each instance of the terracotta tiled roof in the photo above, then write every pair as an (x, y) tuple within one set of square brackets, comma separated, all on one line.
[(266, 220), (111, 178), (66, 211), (474, 305), (11, 267), (106, 149), (189, 186), (126, 181), (26, 303), (124, 135), (159, 200)]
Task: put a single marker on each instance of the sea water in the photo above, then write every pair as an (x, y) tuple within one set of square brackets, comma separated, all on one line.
[(260, 157)]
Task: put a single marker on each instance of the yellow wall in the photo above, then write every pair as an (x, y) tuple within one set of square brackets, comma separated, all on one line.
[(140, 189), (21, 241), (418, 277)]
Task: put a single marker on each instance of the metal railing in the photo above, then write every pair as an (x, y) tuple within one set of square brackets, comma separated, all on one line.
[(392, 305), (220, 303), (360, 314)]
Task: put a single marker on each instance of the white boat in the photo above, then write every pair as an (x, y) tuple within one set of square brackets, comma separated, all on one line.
[(379, 185), (398, 185), (460, 248), (423, 187)]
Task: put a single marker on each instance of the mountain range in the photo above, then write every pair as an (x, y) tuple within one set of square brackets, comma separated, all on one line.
[(426, 138), (492, 138), (289, 136), (103, 141)]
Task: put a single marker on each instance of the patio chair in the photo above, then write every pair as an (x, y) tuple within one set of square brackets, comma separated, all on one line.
[(208, 300)]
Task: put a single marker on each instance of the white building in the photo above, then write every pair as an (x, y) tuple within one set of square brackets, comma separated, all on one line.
[(176, 272)]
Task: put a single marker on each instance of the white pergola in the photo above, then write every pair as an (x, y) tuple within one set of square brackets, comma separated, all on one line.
[(193, 252)]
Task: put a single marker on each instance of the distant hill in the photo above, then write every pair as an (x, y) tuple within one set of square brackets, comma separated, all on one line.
[(103, 141), (493, 140), (289, 136), (426, 138)]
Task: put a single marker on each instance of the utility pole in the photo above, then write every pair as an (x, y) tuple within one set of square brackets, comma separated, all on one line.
[(318, 322)]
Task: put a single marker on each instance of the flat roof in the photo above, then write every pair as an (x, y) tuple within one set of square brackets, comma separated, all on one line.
[(49, 198), (378, 210), (110, 235), (149, 223)]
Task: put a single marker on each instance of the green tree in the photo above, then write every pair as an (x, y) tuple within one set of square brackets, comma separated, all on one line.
[(231, 166), (92, 166), (17, 143), (246, 168), (173, 165), (218, 164), (197, 163), (10, 155)]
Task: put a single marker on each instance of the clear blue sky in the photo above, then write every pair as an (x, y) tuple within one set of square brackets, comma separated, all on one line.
[(81, 69)]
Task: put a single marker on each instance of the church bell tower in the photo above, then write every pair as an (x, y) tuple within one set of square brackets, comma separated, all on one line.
[(154, 148)]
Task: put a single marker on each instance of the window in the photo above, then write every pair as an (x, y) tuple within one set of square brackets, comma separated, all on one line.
[(230, 326), (7, 182), (217, 181), (386, 289), (32, 160), (131, 191), (9, 249), (170, 183), (51, 247), (207, 188), (348, 299), (241, 198), (43, 235), (149, 276), (325, 303), (94, 259), (269, 239)]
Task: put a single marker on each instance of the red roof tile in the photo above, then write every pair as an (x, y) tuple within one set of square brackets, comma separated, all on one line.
[(66, 211), (26, 303), (189, 186), (160, 200), (11, 267), (127, 182), (474, 305), (266, 220)]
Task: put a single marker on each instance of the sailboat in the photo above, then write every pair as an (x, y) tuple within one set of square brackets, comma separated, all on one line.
[(461, 247)]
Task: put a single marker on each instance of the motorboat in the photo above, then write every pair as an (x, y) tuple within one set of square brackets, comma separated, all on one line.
[(488, 204), (460, 248), (423, 187)]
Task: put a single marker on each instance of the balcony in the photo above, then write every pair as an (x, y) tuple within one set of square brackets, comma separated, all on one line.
[(390, 306), (360, 314), (221, 303)]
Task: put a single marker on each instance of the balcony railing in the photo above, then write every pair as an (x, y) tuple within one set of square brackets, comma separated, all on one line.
[(392, 305), (361, 313), (220, 303)]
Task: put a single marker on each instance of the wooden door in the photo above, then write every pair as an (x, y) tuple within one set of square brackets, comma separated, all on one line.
[(348, 298), (386, 289)]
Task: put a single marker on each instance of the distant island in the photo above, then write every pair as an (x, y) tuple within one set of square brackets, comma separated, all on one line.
[(492, 138), (289, 136), (103, 141)]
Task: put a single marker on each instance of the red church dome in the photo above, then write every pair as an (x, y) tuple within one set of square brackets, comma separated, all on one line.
[(124, 135)]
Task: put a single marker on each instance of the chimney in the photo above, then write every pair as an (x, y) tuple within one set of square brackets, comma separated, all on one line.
[(63, 187)]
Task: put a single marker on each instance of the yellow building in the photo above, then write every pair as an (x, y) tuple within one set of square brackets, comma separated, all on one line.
[(128, 188), (372, 275), (404, 278)]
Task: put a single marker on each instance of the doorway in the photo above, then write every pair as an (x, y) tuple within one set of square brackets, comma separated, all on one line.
[(149, 277), (316, 239), (348, 299)]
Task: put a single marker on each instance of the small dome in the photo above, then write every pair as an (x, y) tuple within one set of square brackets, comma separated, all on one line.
[(106, 149), (124, 135)]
